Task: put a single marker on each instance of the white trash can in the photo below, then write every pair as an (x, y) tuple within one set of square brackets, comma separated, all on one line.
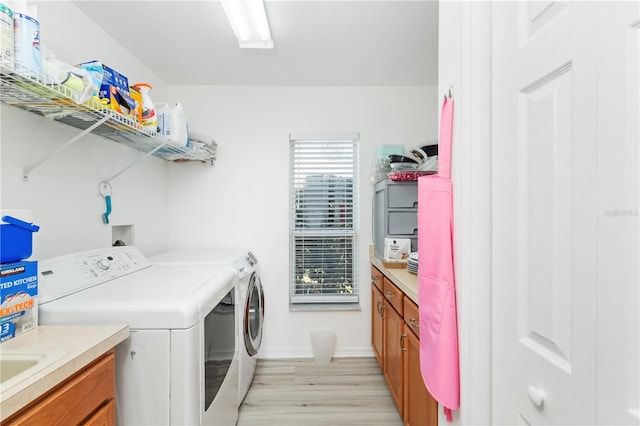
[(323, 343)]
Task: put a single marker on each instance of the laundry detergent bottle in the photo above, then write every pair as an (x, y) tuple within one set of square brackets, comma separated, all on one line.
[(149, 117)]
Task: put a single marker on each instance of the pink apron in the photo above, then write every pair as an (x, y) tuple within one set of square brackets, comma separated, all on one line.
[(436, 283)]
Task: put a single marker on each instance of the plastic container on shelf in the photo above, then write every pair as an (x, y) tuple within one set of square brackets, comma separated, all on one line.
[(149, 116), (172, 123), (26, 31), (6, 33)]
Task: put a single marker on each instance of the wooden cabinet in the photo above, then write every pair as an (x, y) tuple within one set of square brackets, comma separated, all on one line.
[(395, 328), (420, 409), (86, 398), (393, 353)]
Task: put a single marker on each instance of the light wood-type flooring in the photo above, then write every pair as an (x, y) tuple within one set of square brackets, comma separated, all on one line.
[(349, 391)]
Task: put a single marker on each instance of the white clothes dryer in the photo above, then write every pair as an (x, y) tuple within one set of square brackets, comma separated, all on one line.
[(179, 365), (250, 299)]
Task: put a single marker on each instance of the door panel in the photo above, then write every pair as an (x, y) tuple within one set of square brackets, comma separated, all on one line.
[(544, 207)]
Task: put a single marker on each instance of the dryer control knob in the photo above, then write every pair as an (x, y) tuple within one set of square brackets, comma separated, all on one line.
[(103, 264)]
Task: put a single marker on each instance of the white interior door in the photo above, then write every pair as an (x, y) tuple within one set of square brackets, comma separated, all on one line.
[(618, 375), (544, 213)]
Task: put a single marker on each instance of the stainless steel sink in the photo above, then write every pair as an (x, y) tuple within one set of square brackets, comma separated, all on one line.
[(16, 365)]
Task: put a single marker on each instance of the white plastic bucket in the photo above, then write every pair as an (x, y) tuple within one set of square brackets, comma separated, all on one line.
[(323, 343)]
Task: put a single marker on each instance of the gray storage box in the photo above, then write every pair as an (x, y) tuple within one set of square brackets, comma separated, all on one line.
[(395, 213)]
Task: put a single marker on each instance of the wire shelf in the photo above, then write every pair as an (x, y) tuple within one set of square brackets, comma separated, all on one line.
[(25, 89)]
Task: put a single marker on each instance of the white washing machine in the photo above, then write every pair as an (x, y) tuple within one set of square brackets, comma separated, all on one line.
[(180, 364), (250, 300)]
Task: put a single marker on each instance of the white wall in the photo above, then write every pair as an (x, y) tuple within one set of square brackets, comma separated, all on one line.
[(63, 192), (244, 200)]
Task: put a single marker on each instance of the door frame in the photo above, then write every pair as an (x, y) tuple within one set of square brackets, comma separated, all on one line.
[(464, 63)]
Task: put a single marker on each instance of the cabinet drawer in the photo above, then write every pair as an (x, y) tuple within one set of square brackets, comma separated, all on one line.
[(105, 416), (402, 223), (376, 277), (394, 295), (412, 316), (402, 195)]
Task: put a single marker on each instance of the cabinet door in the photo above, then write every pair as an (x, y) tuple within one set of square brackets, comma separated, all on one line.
[(377, 332), (393, 355), (420, 409)]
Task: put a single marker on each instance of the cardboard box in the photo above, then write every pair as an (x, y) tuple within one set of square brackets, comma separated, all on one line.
[(397, 249), (19, 296), (112, 86)]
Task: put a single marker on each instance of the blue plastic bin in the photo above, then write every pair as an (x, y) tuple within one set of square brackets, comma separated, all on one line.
[(16, 242)]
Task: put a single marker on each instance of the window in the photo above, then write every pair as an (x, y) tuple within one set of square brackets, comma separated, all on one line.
[(323, 219)]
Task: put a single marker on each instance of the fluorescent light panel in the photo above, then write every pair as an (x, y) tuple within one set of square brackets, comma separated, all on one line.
[(249, 22)]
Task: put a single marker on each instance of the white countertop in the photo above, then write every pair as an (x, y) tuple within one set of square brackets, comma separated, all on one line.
[(80, 344), (403, 279)]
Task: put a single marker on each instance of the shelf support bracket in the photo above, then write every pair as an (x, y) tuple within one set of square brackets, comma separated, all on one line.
[(25, 172), (148, 154)]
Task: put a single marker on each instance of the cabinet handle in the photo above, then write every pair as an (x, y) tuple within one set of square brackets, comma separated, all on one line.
[(378, 307), (389, 295), (402, 337), (413, 323)]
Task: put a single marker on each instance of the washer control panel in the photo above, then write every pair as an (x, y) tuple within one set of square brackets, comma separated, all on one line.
[(68, 274)]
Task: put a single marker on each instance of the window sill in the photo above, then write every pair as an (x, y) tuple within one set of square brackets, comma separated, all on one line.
[(307, 307)]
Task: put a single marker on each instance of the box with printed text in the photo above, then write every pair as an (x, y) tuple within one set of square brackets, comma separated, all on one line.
[(112, 86), (19, 296)]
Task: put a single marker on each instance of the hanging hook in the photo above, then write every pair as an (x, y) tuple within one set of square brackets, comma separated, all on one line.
[(449, 94), (105, 191)]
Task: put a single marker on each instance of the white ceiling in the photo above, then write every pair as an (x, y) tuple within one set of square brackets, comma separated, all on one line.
[(316, 42)]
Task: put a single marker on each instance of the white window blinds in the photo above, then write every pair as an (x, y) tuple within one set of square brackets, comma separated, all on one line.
[(323, 219)]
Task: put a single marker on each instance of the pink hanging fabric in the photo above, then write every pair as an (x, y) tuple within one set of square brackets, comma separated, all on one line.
[(436, 283)]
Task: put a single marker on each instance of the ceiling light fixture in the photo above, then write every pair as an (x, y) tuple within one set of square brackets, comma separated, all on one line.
[(249, 22)]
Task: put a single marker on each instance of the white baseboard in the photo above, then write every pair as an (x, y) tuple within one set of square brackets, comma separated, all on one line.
[(292, 353)]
